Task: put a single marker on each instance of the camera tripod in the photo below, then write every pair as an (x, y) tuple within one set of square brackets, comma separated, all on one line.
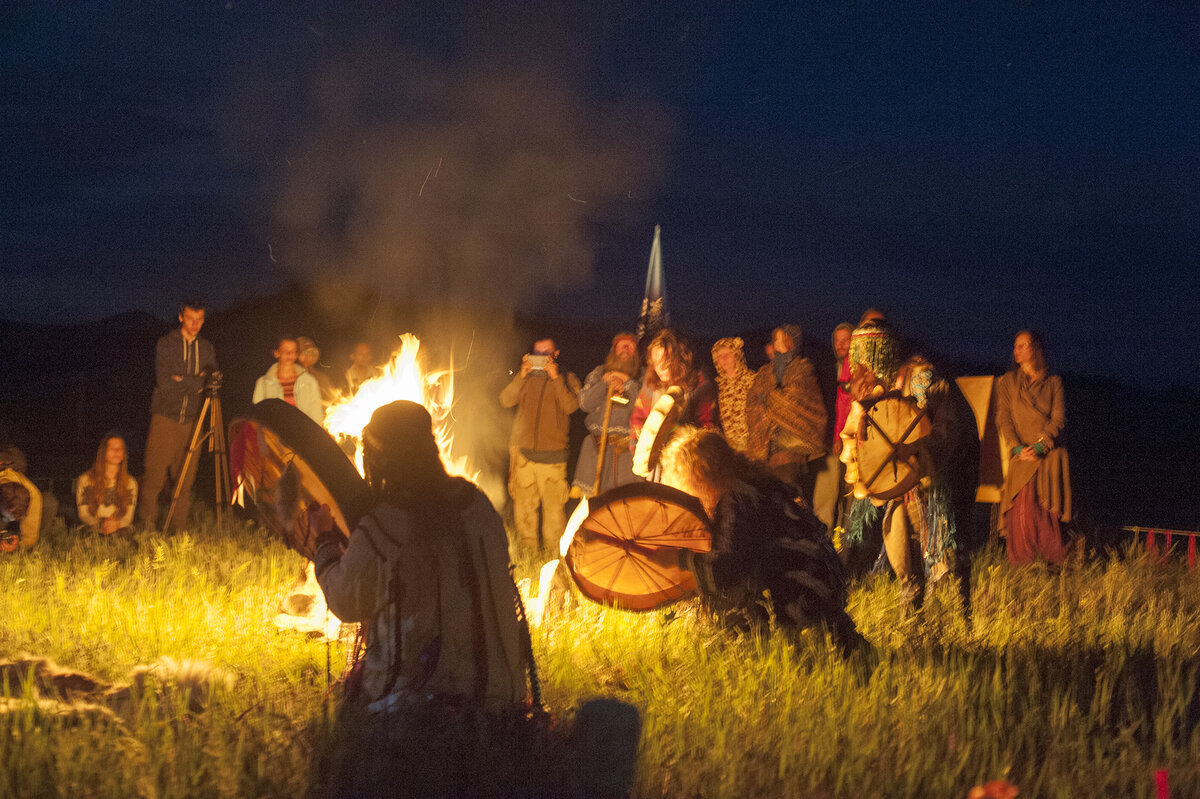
[(210, 417)]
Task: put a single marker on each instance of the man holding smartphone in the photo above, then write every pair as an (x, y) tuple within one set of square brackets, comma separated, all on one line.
[(544, 398)]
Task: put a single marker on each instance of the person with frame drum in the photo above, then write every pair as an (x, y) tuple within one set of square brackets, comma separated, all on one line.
[(929, 448)]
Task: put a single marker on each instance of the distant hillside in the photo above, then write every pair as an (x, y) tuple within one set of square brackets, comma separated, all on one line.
[(1134, 453)]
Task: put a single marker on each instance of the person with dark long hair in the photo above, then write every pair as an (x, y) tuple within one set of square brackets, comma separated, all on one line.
[(106, 494), (447, 649), (1030, 415)]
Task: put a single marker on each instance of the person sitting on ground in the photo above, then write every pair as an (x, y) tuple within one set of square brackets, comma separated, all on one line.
[(447, 650), (764, 539), (290, 382), (14, 460), (20, 511), (1030, 414), (106, 494)]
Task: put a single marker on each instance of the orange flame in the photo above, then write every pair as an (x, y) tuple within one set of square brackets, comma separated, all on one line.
[(402, 379)]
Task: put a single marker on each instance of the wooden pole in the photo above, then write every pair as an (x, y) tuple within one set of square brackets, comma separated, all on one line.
[(608, 403)]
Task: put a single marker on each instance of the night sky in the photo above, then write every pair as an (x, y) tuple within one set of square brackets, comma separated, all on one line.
[(971, 169)]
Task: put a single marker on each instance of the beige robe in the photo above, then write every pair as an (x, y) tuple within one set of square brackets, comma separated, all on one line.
[(404, 577), (1028, 411)]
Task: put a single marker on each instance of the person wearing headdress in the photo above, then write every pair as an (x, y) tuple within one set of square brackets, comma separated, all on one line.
[(785, 414), (873, 364), (734, 379), (926, 532), (618, 378), (1030, 415), (447, 649)]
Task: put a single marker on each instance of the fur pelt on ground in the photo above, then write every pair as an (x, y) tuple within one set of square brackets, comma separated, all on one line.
[(27, 679)]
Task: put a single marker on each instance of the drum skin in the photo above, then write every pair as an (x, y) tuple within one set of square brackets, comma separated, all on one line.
[(660, 425), (283, 461), (886, 447)]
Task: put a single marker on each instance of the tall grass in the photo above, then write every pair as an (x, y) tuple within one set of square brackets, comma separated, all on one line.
[(1077, 683)]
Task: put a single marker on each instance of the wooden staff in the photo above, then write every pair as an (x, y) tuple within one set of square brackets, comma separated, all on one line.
[(608, 403)]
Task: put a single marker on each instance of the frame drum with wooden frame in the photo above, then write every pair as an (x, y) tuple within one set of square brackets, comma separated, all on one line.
[(889, 463), (660, 424)]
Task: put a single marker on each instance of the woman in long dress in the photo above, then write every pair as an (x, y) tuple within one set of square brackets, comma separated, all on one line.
[(1030, 414)]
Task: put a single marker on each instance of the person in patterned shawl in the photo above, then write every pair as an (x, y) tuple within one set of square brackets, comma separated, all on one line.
[(786, 415), (734, 379)]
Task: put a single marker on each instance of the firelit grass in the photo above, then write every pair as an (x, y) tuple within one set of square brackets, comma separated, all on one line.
[(1075, 683)]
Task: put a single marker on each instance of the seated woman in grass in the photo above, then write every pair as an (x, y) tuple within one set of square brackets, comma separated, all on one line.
[(14, 510), (765, 541), (106, 494)]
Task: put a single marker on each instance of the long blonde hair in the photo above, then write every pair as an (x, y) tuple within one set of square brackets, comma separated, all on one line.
[(701, 462), (95, 492)]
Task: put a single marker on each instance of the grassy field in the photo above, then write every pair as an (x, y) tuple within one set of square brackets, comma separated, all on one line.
[(1081, 683)]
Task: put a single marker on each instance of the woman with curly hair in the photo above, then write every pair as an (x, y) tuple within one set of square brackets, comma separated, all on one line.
[(106, 494)]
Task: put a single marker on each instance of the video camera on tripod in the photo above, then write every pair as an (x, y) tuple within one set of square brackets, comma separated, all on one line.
[(213, 378), (210, 430)]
